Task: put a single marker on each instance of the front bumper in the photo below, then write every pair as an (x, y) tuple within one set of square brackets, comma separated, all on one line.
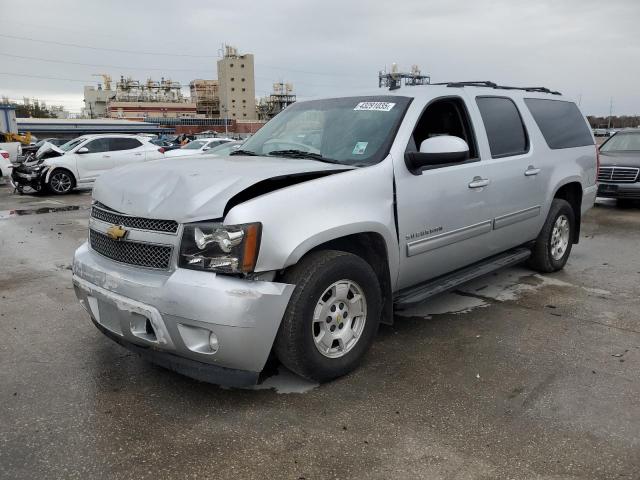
[(619, 190), (169, 316), (22, 178)]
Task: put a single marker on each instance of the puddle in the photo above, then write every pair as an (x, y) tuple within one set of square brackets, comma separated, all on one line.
[(506, 285), (446, 303), (4, 214), (286, 381)]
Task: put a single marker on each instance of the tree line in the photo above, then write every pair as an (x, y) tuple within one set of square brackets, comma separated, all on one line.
[(624, 121), (32, 110)]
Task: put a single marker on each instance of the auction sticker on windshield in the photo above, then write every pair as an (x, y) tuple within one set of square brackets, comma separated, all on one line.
[(375, 106), (360, 148)]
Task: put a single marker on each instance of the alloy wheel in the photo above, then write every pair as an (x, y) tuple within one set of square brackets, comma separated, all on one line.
[(560, 237), (339, 318), (60, 182)]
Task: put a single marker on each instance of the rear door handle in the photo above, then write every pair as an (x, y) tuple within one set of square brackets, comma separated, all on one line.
[(479, 182), (106, 156), (137, 154), (531, 170)]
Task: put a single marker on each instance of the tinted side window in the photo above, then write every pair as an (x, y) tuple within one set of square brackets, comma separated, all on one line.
[(123, 143), (560, 122), (98, 145), (504, 126)]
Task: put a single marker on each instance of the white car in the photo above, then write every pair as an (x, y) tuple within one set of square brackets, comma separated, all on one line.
[(224, 149), (81, 160), (5, 164), (197, 147)]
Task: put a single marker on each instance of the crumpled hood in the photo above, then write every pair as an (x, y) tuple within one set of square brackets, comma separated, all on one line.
[(48, 146), (192, 188)]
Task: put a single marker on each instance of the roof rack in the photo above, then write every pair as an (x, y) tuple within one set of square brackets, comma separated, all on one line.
[(488, 84)]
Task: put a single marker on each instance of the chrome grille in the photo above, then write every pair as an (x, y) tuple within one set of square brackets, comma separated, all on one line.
[(133, 253), (618, 174), (100, 212)]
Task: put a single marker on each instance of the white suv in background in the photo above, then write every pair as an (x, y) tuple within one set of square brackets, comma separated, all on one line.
[(81, 160)]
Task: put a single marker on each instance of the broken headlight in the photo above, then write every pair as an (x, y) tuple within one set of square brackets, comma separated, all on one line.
[(220, 248)]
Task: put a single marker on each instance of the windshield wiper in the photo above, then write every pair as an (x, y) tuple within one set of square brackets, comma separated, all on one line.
[(292, 153), (244, 152)]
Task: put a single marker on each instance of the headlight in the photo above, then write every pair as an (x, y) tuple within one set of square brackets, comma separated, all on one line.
[(220, 248)]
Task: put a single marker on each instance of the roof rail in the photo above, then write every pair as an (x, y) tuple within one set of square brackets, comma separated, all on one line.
[(488, 84), (479, 83)]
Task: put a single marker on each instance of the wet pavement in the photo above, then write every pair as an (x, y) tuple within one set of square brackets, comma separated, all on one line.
[(516, 375)]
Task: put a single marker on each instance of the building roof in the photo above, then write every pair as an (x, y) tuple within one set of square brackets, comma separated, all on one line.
[(80, 126)]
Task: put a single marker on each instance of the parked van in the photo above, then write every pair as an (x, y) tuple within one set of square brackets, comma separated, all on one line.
[(332, 215)]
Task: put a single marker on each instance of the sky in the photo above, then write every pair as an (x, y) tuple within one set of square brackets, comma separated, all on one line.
[(587, 49)]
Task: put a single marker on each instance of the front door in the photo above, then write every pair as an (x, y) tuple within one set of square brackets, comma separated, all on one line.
[(444, 213), (95, 161)]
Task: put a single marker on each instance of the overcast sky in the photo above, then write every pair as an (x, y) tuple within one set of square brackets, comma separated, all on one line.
[(587, 49)]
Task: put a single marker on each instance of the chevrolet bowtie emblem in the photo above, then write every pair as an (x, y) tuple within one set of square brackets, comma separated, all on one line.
[(116, 232)]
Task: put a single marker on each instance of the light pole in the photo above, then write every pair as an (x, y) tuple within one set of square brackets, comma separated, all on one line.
[(226, 130)]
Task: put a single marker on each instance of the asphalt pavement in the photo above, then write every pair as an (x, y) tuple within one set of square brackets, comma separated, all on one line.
[(515, 376)]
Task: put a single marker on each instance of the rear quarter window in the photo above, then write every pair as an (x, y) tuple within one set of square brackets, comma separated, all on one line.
[(503, 124), (561, 123)]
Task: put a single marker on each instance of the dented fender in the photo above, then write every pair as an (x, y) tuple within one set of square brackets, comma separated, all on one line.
[(298, 218)]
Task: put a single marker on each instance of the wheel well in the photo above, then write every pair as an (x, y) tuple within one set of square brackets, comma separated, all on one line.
[(572, 193), (73, 177), (372, 248)]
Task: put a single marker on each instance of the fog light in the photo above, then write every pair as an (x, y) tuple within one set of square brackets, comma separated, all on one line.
[(213, 343)]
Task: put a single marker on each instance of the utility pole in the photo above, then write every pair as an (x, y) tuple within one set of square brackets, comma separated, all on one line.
[(226, 129), (610, 111)]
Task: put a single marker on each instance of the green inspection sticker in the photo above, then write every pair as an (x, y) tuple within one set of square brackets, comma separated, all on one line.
[(360, 148)]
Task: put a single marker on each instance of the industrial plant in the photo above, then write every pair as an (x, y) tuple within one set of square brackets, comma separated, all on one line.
[(228, 102)]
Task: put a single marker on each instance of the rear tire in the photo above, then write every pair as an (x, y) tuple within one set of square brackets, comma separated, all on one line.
[(61, 182), (332, 317), (553, 245)]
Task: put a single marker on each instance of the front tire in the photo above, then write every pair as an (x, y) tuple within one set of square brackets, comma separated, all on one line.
[(332, 317), (553, 245), (60, 182)]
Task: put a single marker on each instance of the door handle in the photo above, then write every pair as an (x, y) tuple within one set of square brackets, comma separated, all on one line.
[(479, 182), (137, 154), (531, 170), (106, 156)]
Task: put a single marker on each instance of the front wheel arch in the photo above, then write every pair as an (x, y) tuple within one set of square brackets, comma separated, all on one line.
[(60, 169)]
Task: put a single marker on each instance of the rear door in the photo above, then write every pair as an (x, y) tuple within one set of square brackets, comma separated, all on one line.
[(95, 161), (518, 176), (444, 213), (126, 150)]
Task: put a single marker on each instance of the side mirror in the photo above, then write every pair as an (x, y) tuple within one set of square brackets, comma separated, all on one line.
[(204, 149), (437, 151), (82, 150)]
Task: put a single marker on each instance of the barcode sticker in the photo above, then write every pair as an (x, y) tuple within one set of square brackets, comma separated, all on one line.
[(375, 106)]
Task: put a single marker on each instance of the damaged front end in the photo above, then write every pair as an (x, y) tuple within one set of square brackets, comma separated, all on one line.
[(33, 174)]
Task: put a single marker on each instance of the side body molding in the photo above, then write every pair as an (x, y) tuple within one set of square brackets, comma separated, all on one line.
[(431, 243)]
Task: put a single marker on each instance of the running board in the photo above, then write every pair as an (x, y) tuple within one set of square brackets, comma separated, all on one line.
[(413, 295)]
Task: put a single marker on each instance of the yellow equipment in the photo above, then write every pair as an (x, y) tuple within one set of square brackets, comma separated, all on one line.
[(14, 137)]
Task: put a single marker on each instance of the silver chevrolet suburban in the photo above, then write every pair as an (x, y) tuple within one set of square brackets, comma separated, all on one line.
[(335, 213)]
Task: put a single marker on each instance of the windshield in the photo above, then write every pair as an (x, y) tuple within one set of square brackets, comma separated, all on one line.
[(195, 145), (71, 144), (622, 142), (351, 131)]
